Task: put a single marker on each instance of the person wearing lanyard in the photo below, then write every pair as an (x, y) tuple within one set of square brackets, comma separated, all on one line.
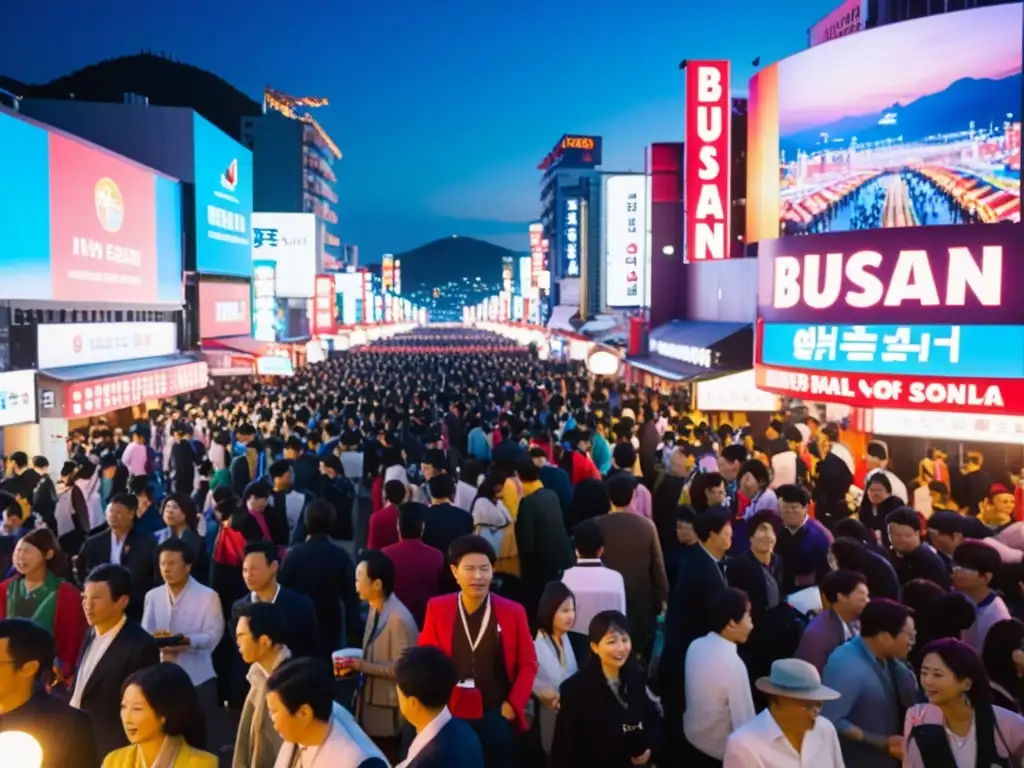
[(488, 639)]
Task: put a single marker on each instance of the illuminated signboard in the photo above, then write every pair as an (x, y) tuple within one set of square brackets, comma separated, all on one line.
[(398, 277), (324, 305), (536, 252), (625, 240), (264, 300), (571, 230), (573, 151), (706, 160), (525, 264), (387, 272)]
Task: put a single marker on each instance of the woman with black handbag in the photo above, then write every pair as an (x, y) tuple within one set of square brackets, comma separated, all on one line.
[(959, 727)]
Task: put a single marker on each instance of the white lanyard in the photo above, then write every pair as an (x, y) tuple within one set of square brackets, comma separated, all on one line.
[(474, 644)]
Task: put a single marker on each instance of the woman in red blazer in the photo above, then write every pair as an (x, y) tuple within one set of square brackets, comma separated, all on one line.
[(477, 629), (39, 593)]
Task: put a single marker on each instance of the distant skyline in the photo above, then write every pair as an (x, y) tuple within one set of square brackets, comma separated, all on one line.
[(442, 111)]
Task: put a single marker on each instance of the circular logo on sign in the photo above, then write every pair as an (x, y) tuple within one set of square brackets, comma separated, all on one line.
[(109, 204), (76, 344)]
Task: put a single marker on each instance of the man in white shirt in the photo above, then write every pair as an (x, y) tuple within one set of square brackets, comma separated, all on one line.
[(424, 680), (790, 733), (718, 697), (596, 587), (184, 607)]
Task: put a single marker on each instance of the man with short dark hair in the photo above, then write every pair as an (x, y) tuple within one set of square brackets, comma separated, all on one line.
[(419, 568), (26, 660), (287, 501), (443, 521), (260, 635), (115, 648), (912, 558), (325, 574), (596, 587), (305, 467), (803, 543), (302, 708), (383, 529), (425, 679), (339, 490), (975, 565), (847, 595), (121, 544)]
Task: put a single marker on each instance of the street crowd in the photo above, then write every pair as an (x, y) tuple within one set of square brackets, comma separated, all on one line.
[(421, 554)]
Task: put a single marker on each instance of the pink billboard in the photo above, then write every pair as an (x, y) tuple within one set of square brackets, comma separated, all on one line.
[(224, 309), (103, 233)]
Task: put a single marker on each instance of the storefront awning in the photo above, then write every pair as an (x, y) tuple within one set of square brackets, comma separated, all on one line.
[(96, 371), (247, 345), (714, 347), (672, 370), (560, 316)]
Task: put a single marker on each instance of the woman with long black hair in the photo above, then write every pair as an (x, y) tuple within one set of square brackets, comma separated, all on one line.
[(959, 727), (605, 716)]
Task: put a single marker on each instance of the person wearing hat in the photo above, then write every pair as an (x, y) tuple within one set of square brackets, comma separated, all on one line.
[(789, 733)]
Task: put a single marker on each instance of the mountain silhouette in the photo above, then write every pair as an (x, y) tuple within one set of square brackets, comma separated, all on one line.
[(985, 101), (450, 259), (165, 82)]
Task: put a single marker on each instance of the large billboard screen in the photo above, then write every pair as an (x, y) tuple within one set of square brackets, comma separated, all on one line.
[(707, 161), (83, 224), (224, 308), (625, 240), (71, 344), (223, 174), (906, 125), (289, 240)]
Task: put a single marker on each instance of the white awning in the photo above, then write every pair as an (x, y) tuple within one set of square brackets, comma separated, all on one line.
[(559, 320)]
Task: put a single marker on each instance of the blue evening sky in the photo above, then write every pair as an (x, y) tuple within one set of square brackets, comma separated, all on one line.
[(442, 110)]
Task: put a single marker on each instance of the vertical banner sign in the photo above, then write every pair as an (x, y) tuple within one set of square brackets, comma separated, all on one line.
[(571, 227), (536, 252), (398, 277), (625, 240), (706, 161), (324, 306), (387, 272), (264, 300)]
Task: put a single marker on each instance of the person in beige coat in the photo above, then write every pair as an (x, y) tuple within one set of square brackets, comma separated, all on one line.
[(260, 634), (390, 629)]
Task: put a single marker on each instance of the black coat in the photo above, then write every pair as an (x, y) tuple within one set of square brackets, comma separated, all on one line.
[(133, 649), (443, 524), (698, 580), (183, 468), (923, 563), (64, 732), (594, 729), (306, 474), (455, 746), (325, 573), (303, 637), (138, 555)]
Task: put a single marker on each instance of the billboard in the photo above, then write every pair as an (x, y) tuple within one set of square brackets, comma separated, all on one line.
[(848, 18), (905, 125), (18, 399), (398, 276), (536, 253), (289, 240), (71, 344), (924, 275), (325, 310), (224, 309), (571, 220), (264, 300), (81, 223), (387, 272), (97, 396), (707, 161), (223, 195), (625, 240), (348, 286)]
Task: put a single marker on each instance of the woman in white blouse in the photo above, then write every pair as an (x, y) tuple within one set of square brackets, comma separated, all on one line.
[(561, 653)]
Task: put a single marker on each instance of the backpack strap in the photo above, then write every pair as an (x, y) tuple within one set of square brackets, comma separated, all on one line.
[(934, 747)]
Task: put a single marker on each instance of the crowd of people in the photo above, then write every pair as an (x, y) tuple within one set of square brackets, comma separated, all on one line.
[(464, 559)]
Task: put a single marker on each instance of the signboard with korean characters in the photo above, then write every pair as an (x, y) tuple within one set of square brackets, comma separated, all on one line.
[(625, 239), (571, 238)]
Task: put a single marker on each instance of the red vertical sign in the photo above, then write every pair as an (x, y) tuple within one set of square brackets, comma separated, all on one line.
[(707, 160), (324, 306)]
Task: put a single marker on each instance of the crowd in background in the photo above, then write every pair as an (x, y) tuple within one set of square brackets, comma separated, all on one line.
[(459, 558)]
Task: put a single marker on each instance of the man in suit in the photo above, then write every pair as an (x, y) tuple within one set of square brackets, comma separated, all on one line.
[(115, 647), (419, 568), (26, 655), (425, 679), (847, 595), (699, 578), (325, 574), (121, 544), (444, 522)]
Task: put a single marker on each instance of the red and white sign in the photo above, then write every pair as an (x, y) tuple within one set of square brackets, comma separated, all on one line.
[(536, 253), (225, 309), (102, 227), (325, 311), (922, 393), (66, 344), (91, 398), (706, 158), (848, 18)]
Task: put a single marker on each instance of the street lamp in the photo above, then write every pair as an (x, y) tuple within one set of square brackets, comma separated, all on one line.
[(20, 750)]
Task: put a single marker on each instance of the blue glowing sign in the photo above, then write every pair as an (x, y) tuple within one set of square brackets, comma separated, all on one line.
[(989, 351)]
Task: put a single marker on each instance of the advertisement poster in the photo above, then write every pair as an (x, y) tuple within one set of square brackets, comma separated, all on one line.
[(324, 306), (264, 301), (625, 240), (18, 398), (224, 309), (91, 398), (905, 125), (223, 195), (707, 161), (287, 239), (73, 344)]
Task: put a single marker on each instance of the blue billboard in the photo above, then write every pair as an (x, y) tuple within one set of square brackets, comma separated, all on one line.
[(223, 181), (961, 351)]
